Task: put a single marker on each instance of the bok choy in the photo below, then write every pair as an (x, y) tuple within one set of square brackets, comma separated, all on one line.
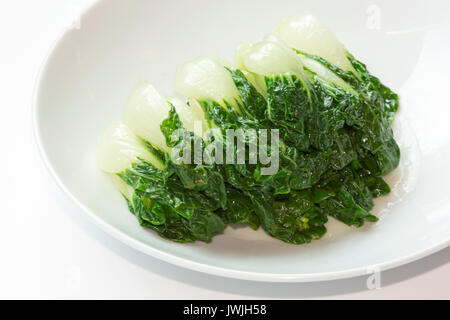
[(314, 128)]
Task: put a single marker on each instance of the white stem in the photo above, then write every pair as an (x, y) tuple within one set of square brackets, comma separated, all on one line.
[(206, 79), (308, 34), (119, 147)]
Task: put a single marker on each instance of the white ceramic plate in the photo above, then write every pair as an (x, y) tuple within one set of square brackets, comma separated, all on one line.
[(90, 72)]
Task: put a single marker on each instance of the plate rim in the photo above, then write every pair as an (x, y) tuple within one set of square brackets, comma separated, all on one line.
[(176, 260)]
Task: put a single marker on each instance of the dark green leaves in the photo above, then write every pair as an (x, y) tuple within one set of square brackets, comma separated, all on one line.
[(253, 103), (170, 126), (293, 218), (336, 144), (289, 106)]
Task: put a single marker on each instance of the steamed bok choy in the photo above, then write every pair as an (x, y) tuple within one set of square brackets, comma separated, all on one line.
[(327, 124)]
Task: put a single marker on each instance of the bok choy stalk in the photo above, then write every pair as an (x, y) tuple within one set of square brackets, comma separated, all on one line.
[(306, 123), (168, 125), (371, 110), (231, 101), (146, 110), (154, 194), (305, 97)]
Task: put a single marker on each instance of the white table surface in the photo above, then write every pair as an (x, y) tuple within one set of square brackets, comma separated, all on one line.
[(50, 249)]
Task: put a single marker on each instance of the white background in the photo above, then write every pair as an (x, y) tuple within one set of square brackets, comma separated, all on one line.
[(50, 249)]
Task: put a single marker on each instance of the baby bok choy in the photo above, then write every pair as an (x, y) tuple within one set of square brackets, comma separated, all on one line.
[(154, 194), (370, 111), (336, 124), (295, 132), (230, 101)]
